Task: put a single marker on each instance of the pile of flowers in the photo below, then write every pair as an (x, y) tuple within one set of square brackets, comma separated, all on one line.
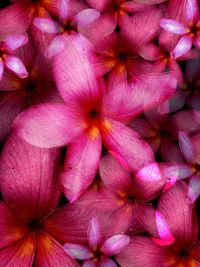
[(100, 133)]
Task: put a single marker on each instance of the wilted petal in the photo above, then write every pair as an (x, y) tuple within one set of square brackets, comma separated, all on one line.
[(183, 46), (186, 147), (94, 234), (48, 125), (166, 238), (56, 46), (194, 187), (127, 145), (45, 25), (81, 165), (16, 65), (173, 26), (191, 10), (86, 16), (115, 244), (13, 42), (78, 252)]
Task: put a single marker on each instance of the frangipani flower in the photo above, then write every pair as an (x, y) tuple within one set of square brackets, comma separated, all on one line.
[(91, 116), (31, 193), (8, 60), (190, 30), (71, 16), (98, 252), (178, 229)]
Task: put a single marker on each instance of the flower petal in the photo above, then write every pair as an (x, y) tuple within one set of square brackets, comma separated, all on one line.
[(106, 262), (48, 125), (99, 5), (86, 16), (124, 142), (56, 46), (150, 52), (194, 188), (63, 9), (89, 263), (81, 165), (28, 175), (45, 25), (77, 251), (16, 65), (13, 42), (1, 69), (115, 244), (186, 147), (191, 10), (183, 46), (94, 234), (173, 26)]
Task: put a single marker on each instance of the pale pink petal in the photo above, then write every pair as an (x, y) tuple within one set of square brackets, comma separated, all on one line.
[(1, 69), (81, 165), (94, 234), (191, 10), (106, 262), (45, 25), (115, 244), (56, 46), (173, 26), (29, 175), (13, 42), (183, 46), (176, 172), (127, 144), (48, 125), (166, 238), (16, 65), (194, 188), (86, 16), (78, 252), (63, 9), (186, 147), (150, 52), (51, 253)]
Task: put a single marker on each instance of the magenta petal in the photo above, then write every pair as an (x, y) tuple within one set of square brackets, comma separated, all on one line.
[(1, 69), (28, 175), (48, 125), (128, 145), (45, 25), (106, 262), (94, 234), (115, 244), (191, 10), (63, 9), (15, 64), (13, 42), (194, 187), (81, 165), (78, 252), (173, 26), (99, 5), (186, 147), (89, 263), (150, 52), (86, 16), (183, 46)]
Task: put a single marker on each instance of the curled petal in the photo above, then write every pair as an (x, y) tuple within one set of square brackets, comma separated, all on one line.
[(15, 64), (13, 42), (173, 26), (45, 25), (87, 16), (78, 252), (183, 46), (115, 244), (94, 234)]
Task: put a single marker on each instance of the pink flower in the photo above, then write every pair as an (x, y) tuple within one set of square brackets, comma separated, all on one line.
[(91, 116), (190, 30), (8, 60), (177, 229), (98, 251)]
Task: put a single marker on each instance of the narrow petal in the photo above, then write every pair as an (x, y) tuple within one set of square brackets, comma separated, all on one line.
[(186, 147), (194, 188), (48, 125), (173, 26), (56, 46), (183, 46), (81, 165), (51, 253), (1, 69), (191, 10), (166, 238), (13, 42), (87, 16), (124, 142), (28, 175), (115, 244), (45, 25), (63, 9), (16, 65), (94, 234), (77, 251)]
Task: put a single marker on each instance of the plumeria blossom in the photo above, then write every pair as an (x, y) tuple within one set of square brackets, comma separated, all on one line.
[(7, 58), (91, 115), (98, 252), (189, 30), (177, 243), (71, 17)]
